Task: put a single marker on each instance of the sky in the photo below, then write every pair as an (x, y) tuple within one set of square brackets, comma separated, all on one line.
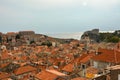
[(57, 16)]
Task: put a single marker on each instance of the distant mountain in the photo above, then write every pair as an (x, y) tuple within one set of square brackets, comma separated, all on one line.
[(103, 36), (93, 35)]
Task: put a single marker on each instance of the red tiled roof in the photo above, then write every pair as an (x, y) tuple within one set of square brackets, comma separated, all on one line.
[(45, 75), (82, 45), (10, 33), (24, 69), (4, 65), (4, 75), (5, 56), (87, 58), (69, 55), (25, 58), (33, 56), (105, 50), (108, 56), (80, 58), (83, 58), (68, 68)]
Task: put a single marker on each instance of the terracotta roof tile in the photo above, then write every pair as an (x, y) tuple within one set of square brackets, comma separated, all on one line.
[(4, 75), (25, 58), (4, 65), (45, 75), (78, 60), (24, 69), (33, 56), (10, 32), (68, 68), (105, 50), (5, 56), (108, 56), (87, 58)]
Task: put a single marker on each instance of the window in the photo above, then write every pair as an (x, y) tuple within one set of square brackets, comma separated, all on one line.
[(83, 66)]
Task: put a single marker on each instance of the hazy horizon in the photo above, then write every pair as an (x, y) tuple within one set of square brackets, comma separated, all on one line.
[(70, 35)]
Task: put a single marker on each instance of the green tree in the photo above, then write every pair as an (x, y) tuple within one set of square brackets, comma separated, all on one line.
[(32, 42), (114, 39), (48, 43), (17, 36)]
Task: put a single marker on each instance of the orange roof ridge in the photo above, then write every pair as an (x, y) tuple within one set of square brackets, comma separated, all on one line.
[(56, 72)]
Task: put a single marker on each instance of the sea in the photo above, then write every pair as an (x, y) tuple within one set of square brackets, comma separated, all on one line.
[(69, 35)]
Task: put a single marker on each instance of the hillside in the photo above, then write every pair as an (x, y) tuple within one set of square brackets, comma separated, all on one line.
[(97, 36)]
